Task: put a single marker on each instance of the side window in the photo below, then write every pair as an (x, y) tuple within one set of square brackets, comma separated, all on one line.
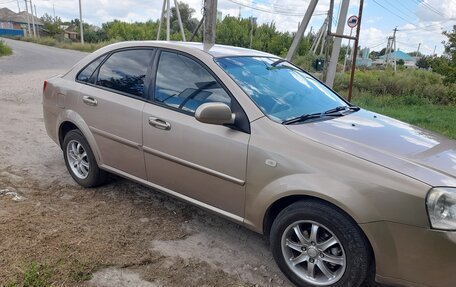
[(184, 84), (125, 71), (85, 74)]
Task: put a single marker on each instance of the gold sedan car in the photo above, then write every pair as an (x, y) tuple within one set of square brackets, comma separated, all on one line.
[(346, 196)]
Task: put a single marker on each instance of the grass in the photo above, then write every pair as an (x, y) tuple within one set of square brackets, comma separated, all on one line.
[(414, 85), (438, 118), (35, 275), (417, 97), (66, 44), (5, 50)]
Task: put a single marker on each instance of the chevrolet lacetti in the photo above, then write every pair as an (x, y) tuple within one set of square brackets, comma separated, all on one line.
[(346, 196)]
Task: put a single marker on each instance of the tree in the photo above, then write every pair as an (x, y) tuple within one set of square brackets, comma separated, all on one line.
[(51, 24), (374, 54), (232, 31), (415, 54), (450, 51), (450, 45), (423, 63), (186, 14)]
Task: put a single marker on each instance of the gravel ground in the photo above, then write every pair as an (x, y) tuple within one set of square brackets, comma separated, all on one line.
[(121, 234)]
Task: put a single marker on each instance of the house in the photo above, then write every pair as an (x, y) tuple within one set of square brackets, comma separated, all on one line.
[(409, 61), (69, 32), (15, 24)]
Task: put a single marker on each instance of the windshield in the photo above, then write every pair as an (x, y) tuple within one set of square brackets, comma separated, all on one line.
[(279, 89)]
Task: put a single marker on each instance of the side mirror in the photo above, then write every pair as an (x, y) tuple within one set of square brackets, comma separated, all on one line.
[(214, 113)]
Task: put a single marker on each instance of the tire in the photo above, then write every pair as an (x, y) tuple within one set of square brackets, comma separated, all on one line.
[(346, 253), (80, 161)]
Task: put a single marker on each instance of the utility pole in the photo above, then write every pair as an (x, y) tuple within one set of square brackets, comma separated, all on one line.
[(355, 50), (28, 18), (388, 51), (168, 20), (394, 43), (210, 7), (80, 23), (332, 65), (18, 7), (161, 20), (53, 9), (302, 28), (320, 36), (176, 5), (325, 36), (166, 9), (348, 49), (252, 23), (36, 15), (316, 40), (33, 19), (435, 47), (418, 50)]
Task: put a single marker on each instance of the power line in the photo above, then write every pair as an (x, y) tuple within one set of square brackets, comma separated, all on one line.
[(430, 7), (427, 26), (399, 16), (397, 9), (274, 11), (392, 12), (375, 46)]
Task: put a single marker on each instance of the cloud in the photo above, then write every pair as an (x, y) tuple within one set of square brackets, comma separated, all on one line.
[(436, 10)]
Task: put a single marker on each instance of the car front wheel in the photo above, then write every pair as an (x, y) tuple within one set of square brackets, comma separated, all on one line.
[(315, 244), (80, 160)]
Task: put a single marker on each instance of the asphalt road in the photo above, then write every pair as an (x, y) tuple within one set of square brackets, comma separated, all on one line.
[(28, 57)]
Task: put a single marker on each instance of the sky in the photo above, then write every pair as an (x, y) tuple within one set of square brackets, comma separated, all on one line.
[(418, 21)]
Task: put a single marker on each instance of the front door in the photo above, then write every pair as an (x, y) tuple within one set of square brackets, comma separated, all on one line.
[(202, 161)]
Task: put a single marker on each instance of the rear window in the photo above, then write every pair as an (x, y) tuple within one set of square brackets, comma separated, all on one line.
[(86, 73)]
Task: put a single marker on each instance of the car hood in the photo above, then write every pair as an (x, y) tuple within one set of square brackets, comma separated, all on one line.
[(407, 149)]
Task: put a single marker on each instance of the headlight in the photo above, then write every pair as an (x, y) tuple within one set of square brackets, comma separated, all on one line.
[(441, 206)]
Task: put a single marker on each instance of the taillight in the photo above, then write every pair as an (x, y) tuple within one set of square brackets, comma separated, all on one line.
[(44, 86)]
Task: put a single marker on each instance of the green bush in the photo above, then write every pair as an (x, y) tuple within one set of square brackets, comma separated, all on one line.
[(306, 61), (5, 49), (409, 85)]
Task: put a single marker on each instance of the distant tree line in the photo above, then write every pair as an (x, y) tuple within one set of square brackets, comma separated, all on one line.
[(235, 31), (230, 31)]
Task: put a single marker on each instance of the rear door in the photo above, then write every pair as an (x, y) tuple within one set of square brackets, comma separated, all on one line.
[(202, 161), (111, 104)]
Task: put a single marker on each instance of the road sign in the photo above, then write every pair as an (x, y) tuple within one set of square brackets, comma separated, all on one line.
[(352, 22)]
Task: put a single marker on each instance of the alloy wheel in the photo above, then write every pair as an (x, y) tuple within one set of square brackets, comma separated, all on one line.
[(77, 159), (313, 252)]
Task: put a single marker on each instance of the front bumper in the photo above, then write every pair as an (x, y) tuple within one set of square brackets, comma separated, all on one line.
[(412, 256)]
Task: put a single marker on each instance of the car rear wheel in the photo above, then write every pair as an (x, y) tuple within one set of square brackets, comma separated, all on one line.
[(315, 244), (80, 160)]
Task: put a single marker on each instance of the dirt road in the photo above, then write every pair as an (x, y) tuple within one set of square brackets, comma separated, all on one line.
[(121, 234)]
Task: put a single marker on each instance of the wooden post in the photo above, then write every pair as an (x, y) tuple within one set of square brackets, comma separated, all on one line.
[(355, 51)]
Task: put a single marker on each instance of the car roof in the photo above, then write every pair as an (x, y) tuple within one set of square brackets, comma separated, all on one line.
[(215, 51)]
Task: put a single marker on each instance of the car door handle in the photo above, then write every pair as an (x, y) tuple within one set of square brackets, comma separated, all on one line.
[(159, 123), (89, 101)]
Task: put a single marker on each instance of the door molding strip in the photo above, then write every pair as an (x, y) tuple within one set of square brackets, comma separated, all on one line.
[(194, 166), (115, 138)]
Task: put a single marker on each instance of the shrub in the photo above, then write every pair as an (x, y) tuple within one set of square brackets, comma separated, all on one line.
[(5, 49), (407, 84)]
